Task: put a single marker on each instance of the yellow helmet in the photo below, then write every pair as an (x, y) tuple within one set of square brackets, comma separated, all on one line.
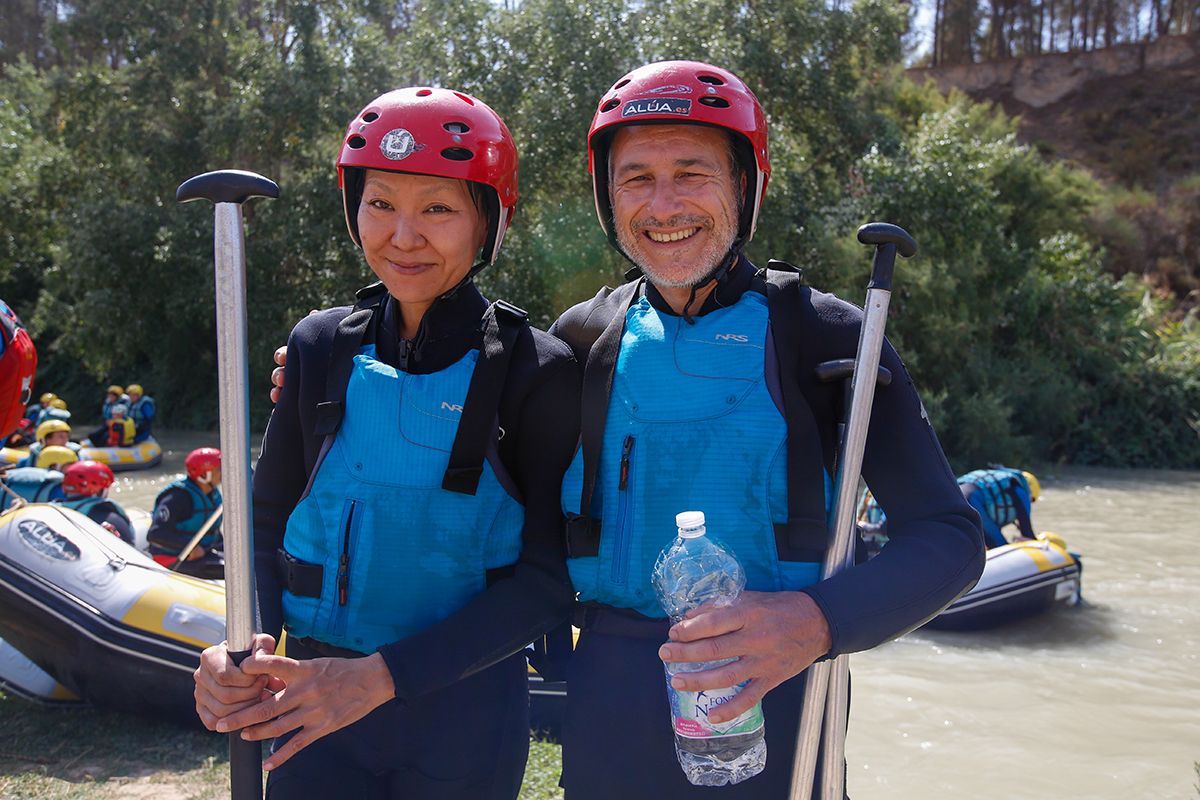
[(134, 388), (114, 389), (46, 398), (56, 456), (1035, 488), (51, 426), (58, 402)]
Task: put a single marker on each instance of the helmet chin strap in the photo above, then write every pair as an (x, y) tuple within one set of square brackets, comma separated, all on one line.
[(722, 268)]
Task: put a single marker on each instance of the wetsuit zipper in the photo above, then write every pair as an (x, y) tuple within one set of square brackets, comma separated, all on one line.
[(621, 546)]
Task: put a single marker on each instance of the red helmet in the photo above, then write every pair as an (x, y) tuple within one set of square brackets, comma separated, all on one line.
[(86, 478), (687, 92), (201, 461), (436, 132)]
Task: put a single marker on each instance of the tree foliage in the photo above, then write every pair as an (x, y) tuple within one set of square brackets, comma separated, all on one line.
[(1022, 344)]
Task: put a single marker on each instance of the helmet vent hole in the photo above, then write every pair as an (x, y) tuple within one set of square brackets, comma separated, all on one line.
[(465, 98), (356, 142), (424, 92), (457, 154), (611, 104), (457, 127), (712, 80), (715, 102), (370, 116), (620, 83)]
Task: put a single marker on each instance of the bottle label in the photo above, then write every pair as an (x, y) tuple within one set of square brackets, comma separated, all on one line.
[(689, 713)]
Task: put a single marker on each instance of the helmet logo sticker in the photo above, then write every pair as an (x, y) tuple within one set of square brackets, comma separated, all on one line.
[(672, 88), (664, 105), (398, 144)]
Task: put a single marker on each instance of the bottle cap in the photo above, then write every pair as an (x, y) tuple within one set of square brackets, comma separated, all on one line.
[(690, 524)]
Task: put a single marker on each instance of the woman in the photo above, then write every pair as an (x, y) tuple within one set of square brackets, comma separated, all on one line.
[(410, 545)]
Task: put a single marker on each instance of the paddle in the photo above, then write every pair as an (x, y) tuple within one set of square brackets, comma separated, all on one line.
[(227, 190), (826, 686), (200, 534)]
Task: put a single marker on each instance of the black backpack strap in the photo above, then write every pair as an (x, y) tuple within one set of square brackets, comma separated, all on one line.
[(502, 322), (346, 342), (803, 537), (583, 532)]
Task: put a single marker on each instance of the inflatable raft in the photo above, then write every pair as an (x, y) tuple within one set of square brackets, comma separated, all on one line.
[(142, 455), (100, 618), (1019, 580)]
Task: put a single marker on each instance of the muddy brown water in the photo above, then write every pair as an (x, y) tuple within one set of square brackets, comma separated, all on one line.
[(1099, 702)]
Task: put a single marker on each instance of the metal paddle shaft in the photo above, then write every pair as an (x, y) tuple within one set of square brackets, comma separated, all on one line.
[(819, 689), (227, 190), (195, 540)]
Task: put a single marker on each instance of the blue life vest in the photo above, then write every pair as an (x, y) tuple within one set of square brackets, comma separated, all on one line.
[(85, 505), (693, 424), (399, 552), (203, 506), (35, 484), (994, 485), (142, 413)]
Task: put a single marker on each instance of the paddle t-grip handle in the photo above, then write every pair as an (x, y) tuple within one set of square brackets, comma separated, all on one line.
[(888, 240), (226, 186)]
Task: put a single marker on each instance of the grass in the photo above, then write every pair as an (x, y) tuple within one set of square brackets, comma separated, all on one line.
[(67, 753)]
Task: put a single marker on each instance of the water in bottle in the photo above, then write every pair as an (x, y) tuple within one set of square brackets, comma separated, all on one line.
[(692, 570)]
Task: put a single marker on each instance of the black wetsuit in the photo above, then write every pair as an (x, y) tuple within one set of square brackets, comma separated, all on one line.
[(617, 738), (458, 727)]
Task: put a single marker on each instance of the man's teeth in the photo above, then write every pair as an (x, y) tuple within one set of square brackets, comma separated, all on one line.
[(672, 237)]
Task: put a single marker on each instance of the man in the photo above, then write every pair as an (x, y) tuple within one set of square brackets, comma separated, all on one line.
[(1002, 496), (692, 401), (85, 486), (141, 411), (112, 396), (181, 509)]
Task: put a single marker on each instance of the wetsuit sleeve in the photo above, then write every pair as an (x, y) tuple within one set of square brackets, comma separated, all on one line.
[(1020, 501), (935, 547), (174, 506), (514, 610), (279, 480), (120, 525)]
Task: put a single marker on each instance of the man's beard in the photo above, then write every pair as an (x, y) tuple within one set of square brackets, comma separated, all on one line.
[(720, 241)]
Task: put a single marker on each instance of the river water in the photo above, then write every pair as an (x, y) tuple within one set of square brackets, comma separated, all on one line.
[(1099, 702)]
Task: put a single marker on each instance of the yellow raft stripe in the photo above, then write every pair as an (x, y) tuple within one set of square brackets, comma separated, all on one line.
[(148, 612), (1036, 550)]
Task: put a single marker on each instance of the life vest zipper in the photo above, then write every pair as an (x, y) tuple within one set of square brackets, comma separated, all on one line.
[(622, 543), (343, 574)]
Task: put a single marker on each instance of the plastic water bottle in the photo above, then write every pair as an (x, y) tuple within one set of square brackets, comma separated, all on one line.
[(692, 570)]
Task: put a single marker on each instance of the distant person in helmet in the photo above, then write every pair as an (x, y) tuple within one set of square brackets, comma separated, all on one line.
[(24, 435), (35, 409), (119, 430), (114, 395), (51, 433), (85, 488), (411, 545), (55, 457), (56, 409), (1002, 496), (181, 509), (141, 411)]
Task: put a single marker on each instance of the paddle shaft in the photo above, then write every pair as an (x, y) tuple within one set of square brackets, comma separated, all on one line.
[(827, 682), (200, 534), (228, 190)]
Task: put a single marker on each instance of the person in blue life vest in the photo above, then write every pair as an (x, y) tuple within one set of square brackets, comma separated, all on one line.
[(407, 527), (85, 489), (32, 411), (114, 395), (699, 393), (180, 511), (141, 410), (1002, 496), (55, 409), (51, 433), (40, 482)]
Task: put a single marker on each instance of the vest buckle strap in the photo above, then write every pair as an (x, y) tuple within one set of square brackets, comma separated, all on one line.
[(329, 417), (801, 540), (298, 577), (582, 536), (514, 313)]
